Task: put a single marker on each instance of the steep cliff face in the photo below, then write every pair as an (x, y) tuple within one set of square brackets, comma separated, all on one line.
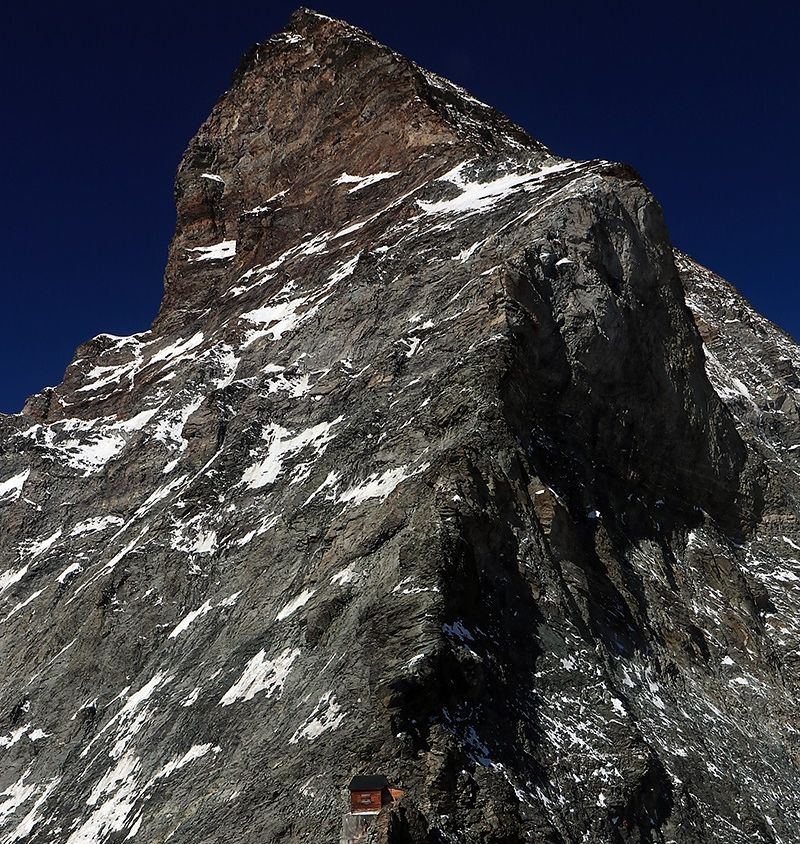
[(437, 462)]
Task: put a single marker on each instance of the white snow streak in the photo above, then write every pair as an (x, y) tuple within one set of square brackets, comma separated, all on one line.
[(261, 675), (379, 485), (11, 489), (300, 601), (480, 196), (327, 715), (215, 252), (282, 444), (360, 182)]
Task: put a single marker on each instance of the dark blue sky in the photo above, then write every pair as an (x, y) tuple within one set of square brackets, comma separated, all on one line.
[(100, 99)]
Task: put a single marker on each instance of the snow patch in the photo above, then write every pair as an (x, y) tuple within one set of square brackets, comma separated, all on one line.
[(378, 485), (360, 182), (281, 445), (12, 576), (215, 252), (457, 630), (72, 568), (195, 752), (327, 715), (347, 575), (11, 489), (95, 524), (186, 622), (178, 349), (278, 319), (261, 675), (300, 601), (477, 197)]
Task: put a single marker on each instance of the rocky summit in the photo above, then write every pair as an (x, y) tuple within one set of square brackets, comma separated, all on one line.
[(440, 464)]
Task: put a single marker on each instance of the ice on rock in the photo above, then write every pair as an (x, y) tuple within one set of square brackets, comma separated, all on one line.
[(26, 826), (295, 385), (133, 715), (89, 446), (38, 735), (346, 575), (345, 270), (120, 788), (260, 209), (14, 736), (169, 428), (191, 698), (42, 546), (187, 620)]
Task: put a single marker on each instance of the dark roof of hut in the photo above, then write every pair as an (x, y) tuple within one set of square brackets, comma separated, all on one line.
[(368, 782)]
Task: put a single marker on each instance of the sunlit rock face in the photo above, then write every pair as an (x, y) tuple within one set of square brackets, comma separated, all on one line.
[(438, 462)]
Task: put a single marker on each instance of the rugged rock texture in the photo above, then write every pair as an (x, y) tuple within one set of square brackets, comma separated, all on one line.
[(425, 468)]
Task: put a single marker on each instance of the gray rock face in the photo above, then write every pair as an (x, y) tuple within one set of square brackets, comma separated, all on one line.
[(437, 462)]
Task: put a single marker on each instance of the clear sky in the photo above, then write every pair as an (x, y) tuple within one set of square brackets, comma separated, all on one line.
[(100, 100)]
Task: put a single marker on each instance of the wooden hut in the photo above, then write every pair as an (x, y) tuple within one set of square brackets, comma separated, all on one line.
[(368, 794)]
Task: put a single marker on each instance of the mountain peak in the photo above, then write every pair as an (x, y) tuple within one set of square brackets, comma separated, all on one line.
[(304, 20), (436, 463), (319, 100)]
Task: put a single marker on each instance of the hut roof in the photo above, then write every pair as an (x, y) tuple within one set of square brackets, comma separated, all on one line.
[(368, 782)]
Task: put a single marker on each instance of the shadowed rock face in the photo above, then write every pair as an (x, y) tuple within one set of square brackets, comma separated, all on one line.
[(437, 462)]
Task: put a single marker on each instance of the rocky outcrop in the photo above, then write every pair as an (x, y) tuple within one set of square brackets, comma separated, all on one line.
[(437, 462)]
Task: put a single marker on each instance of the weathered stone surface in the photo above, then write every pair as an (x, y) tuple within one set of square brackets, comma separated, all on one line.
[(437, 462)]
